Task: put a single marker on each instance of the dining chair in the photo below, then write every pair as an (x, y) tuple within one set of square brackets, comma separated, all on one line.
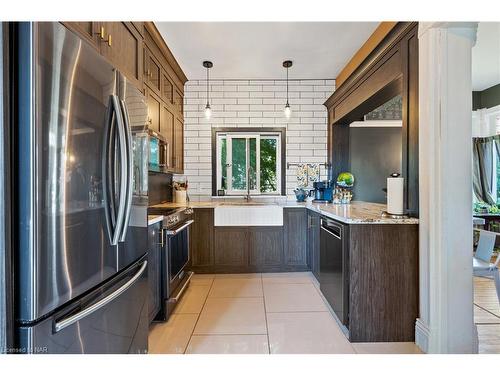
[(481, 261)]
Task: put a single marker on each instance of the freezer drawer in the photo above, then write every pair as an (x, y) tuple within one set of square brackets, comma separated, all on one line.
[(111, 319)]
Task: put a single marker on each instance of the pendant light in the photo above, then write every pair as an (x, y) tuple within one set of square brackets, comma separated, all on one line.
[(208, 109), (288, 111)]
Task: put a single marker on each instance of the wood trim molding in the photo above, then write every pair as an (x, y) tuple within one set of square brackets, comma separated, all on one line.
[(280, 130), (158, 38), (371, 43)]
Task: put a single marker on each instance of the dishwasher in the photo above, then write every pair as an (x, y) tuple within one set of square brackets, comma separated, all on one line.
[(334, 267)]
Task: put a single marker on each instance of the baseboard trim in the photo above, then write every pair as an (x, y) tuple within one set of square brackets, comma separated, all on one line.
[(422, 334)]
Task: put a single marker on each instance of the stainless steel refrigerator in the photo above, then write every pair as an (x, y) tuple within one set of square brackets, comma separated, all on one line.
[(81, 258)]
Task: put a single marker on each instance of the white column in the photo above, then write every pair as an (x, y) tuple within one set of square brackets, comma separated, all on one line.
[(446, 323)]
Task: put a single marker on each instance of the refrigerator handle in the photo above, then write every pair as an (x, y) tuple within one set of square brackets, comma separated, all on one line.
[(60, 325), (123, 171), (108, 176), (130, 166)]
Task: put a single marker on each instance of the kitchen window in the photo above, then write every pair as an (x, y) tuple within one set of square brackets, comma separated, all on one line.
[(249, 159)]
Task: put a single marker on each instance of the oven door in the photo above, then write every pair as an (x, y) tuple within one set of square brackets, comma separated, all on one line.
[(178, 255)]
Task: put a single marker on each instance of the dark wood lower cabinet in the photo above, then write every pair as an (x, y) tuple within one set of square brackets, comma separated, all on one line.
[(231, 247), (295, 238), (383, 282), (201, 238), (249, 249), (313, 233), (265, 247), (154, 270)]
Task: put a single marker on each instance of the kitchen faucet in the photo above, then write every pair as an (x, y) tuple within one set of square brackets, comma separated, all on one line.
[(247, 197)]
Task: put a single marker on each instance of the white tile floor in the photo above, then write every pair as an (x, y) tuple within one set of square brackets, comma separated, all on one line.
[(257, 314)]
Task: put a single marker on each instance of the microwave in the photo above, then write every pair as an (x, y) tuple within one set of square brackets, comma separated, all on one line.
[(158, 152), (156, 147)]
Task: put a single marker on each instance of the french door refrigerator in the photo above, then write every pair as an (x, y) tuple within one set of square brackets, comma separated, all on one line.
[(81, 263)]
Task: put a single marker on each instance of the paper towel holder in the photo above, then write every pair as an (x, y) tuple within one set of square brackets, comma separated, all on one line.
[(386, 214)]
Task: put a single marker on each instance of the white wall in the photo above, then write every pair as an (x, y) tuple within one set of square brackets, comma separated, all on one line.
[(252, 103)]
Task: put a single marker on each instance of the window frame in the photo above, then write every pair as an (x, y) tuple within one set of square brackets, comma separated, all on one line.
[(259, 133)]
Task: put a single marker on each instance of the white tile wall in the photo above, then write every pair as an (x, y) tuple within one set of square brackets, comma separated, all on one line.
[(252, 103)]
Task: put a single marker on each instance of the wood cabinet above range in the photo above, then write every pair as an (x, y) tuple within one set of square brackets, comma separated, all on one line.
[(138, 50), (164, 85)]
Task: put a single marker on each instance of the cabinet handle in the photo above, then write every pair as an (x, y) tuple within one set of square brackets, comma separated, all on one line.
[(150, 120), (101, 32)]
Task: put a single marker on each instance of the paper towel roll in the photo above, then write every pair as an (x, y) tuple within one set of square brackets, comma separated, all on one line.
[(395, 188)]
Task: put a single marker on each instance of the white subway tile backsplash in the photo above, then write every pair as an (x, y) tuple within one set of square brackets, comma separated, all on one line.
[(254, 104)]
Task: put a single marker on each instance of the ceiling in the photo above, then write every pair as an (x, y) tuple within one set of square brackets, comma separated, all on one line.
[(256, 50), (486, 56)]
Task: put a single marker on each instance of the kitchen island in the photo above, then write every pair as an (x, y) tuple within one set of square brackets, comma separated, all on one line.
[(367, 268)]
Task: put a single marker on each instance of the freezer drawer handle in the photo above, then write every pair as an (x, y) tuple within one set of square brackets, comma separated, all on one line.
[(89, 310)]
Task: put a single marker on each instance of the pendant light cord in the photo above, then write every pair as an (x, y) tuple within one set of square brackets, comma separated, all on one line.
[(287, 85), (208, 99)]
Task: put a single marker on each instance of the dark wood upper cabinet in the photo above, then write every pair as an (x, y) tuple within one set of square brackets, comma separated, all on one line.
[(89, 31), (152, 71), (124, 48), (163, 76), (167, 88), (178, 161), (154, 110), (179, 102), (391, 69), (167, 119), (120, 42)]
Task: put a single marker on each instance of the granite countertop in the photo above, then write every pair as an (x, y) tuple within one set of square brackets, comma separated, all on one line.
[(153, 219), (357, 212)]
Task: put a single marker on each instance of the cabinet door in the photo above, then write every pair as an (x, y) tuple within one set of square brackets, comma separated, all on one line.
[(202, 237), (125, 50), (167, 130), (154, 269), (179, 102), (152, 71), (265, 246), (167, 88), (231, 246), (154, 109), (313, 233), (178, 146), (89, 31), (295, 247)]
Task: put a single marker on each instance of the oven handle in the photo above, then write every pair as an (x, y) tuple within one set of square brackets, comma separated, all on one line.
[(180, 229), (186, 283)]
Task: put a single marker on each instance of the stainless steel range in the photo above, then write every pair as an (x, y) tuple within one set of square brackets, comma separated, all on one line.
[(175, 258)]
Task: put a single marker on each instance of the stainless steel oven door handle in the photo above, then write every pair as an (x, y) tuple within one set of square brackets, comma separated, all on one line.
[(180, 229), (179, 294), (96, 306), (332, 233)]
